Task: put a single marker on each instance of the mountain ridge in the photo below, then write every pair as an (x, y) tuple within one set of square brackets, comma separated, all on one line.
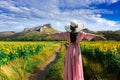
[(37, 33)]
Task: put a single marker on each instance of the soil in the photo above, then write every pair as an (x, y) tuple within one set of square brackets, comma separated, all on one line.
[(41, 71)]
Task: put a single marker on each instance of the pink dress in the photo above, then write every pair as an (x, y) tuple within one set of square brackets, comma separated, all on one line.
[(73, 69)]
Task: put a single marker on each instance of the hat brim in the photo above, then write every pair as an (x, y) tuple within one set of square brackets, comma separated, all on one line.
[(78, 29)]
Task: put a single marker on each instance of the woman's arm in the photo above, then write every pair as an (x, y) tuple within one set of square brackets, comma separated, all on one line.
[(48, 34), (90, 36), (101, 36), (58, 36)]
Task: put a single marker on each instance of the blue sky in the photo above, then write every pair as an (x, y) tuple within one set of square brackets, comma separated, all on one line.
[(15, 15)]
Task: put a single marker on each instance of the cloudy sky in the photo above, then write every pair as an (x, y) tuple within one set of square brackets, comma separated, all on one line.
[(15, 15)]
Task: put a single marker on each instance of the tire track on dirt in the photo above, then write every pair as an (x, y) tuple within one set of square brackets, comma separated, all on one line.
[(40, 72)]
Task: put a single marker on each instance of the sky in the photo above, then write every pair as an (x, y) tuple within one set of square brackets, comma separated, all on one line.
[(96, 15)]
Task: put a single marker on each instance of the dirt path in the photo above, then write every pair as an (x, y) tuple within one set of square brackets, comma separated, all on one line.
[(40, 72)]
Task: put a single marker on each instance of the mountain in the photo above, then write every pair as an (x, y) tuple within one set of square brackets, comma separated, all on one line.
[(6, 34), (29, 34), (111, 35), (37, 33)]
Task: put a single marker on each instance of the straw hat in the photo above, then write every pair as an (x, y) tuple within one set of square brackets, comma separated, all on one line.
[(78, 26)]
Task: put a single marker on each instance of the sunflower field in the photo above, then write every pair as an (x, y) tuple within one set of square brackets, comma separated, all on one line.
[(10, 51), (18, 59), (101, 61), (106, 53)]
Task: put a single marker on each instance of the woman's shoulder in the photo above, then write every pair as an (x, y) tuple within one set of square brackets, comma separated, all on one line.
[(81, 32), (63, 33)]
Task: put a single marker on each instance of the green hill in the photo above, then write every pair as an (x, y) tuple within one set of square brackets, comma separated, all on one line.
[(37, 33), (30, 34), (109, 35)]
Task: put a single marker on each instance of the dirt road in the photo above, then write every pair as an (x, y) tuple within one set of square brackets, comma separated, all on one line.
[(40, 72)]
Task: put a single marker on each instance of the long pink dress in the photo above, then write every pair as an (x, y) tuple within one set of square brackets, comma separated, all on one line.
[(73, 69)]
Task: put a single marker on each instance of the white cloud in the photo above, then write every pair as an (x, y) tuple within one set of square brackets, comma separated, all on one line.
[(7, 17), (37, 12), (97, 23), (114, 1), (11, 7), (84, 3)]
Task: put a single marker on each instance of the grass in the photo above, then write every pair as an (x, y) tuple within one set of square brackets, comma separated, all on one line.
[(93, 70), (56, 71), (19, 69)]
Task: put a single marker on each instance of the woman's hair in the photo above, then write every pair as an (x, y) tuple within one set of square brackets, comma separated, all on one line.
[(73, 35)]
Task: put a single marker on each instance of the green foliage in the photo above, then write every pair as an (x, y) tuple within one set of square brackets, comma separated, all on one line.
[(39, 36), (99, 63), (109, 60), (24, 51), (56, 70), (31, 65), (20, 67)]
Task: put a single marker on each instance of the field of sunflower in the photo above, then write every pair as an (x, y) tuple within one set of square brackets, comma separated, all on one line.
[(10, 51), (18, 59), (101, 61), (106, 57)]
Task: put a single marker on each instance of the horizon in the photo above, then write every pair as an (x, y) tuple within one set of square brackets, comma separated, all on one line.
[(97, 15), (56, 29)]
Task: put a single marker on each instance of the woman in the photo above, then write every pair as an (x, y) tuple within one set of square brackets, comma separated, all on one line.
[(73, 69)]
